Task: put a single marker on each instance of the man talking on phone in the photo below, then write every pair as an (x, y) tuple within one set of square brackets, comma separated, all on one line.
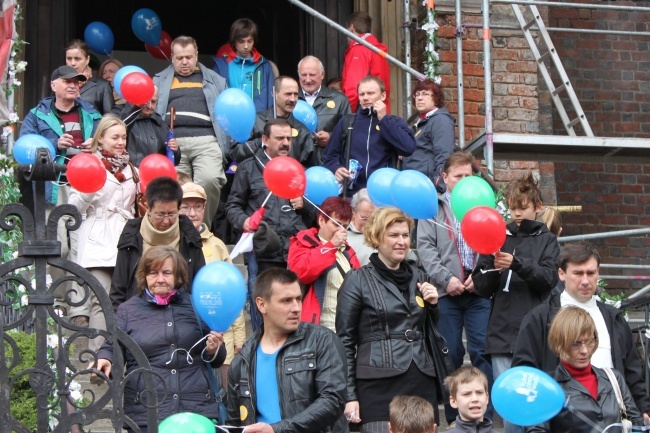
[(377, 139)]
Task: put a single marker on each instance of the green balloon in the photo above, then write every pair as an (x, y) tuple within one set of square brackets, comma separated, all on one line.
[(186, 422), (469, 192)]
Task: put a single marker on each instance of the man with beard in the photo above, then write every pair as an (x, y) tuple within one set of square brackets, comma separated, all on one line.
[(330, 105), (308, 392), (302, 142)]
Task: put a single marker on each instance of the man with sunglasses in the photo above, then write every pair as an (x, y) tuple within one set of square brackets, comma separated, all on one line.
[(579, 265), (162, 225)]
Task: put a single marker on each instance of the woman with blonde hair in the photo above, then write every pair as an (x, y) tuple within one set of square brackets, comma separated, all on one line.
[(106, 213), (107, 71), (380, 318), (591, 391)]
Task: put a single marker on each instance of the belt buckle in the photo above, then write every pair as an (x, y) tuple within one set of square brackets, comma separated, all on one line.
[(409, 334)]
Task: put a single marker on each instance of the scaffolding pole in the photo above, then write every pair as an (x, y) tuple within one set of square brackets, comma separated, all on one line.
[(351, 35), (573, 5), (619, 233), (407, 57), (487, 67), (459, 71), (561, 29)]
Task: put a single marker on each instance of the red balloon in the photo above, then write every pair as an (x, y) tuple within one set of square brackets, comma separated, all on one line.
[(483, 229), (86, 173), (285, 177), (163, 50), (137, 88), (153, 166)]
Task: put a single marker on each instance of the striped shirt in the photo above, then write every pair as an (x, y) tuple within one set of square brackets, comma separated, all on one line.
[(467, 255)]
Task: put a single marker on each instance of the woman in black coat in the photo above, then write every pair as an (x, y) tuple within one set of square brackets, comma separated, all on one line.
[(162, 321), (95, 90), (380, 318), (589, 390)]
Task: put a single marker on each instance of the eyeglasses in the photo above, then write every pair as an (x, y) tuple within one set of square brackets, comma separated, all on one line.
[(162, 216), (197, 208), (589, 344), (422, 94)]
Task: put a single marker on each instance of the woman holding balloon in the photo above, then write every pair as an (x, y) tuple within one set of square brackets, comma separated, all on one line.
[(179, 346), (591, 392), (106, 212), (380, 319), (95, 90)]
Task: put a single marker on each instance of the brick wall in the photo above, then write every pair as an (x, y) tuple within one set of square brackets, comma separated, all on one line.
[(611, 75)]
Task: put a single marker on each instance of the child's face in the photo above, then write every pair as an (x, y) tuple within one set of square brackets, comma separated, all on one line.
[(471, 400), (526, 210)]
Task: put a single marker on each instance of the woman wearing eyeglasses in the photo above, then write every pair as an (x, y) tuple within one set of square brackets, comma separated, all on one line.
[(434, 133), (590, 392), (193, 205), (162, 225)]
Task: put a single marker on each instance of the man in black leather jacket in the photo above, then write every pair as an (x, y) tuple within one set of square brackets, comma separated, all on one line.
[(304, 390)]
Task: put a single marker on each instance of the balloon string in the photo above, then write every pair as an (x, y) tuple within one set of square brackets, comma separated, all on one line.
[(163, 53), (321, 211), (136, 112), (190, 360), (445, 226), (266, 199), (108, 54)]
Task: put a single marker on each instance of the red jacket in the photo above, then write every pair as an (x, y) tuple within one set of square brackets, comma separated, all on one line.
[(311, 260), (360, 62)]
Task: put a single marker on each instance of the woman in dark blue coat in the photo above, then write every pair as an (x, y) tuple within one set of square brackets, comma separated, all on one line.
[(434, 130), (162, 322)]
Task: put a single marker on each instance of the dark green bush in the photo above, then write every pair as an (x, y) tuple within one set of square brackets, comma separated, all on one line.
[(23, 398)]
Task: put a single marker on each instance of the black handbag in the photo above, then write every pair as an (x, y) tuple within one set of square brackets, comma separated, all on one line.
[(437, 349)]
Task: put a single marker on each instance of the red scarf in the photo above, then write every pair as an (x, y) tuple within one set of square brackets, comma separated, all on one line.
[(115, 164), (585, 376)]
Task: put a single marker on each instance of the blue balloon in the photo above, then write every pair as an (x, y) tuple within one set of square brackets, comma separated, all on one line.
[(414, 193), (379, 186), (123, 72), (527, 396), (305, 114), (219, 294), (321, 184), (99, 37), (147, 26), (235, 113), (26, 146)]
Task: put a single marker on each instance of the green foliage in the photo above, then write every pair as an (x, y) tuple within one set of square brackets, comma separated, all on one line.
[(23, 398)]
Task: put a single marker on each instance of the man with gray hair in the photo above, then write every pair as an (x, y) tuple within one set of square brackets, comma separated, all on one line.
[(330, 105), (362, 208), (193, 89)]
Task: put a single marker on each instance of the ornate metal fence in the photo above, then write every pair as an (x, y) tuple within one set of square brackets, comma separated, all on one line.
[(51, 379)]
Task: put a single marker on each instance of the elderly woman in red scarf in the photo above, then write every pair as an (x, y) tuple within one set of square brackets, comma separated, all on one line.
[(106, 212), (321, 257)]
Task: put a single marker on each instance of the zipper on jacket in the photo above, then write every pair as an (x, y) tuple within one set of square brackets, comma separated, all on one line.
[(309, 355), (368, 145)]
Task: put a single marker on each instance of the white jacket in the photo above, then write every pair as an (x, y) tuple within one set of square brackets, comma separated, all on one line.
[(105, 214)]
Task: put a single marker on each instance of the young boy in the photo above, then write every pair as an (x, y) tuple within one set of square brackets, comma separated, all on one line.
[(410, 414), (468, 392), (519, 277)]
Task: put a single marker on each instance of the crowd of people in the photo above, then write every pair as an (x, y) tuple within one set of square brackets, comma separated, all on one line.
[(342, 296)]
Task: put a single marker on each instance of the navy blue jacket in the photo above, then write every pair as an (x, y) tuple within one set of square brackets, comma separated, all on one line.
[(375, 144)]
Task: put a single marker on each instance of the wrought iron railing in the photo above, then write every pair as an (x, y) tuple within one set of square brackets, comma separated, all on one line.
[(39, 251)]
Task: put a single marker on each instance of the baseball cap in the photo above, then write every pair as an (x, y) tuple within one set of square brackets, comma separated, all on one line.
[(192, 190), (67, 72)]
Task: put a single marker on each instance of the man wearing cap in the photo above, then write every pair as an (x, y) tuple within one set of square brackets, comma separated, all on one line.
[(330, 105), (193, 206), (302, 142), (282, 218), (69, 124)]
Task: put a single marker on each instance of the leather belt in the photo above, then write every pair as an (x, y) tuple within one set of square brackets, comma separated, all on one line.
[(408, 335)]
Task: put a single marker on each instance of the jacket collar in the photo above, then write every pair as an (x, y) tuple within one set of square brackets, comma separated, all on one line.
[(132, 238), (250, 346), (563, 377), (392, 288), (526, 228)]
